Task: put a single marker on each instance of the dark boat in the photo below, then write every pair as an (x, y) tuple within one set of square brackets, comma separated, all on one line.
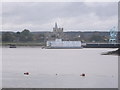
[(12, 46)]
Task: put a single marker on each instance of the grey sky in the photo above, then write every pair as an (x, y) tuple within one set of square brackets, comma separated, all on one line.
[(75, 16)]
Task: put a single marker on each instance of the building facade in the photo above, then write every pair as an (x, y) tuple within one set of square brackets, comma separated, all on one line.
[(57, 33)]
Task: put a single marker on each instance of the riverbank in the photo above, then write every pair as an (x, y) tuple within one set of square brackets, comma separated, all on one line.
[(117, 52), (22, 44)]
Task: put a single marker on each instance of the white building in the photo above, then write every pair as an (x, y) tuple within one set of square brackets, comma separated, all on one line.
[(58, 43)]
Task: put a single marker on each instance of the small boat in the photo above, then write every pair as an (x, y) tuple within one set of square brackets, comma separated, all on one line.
[(82, 75), (26, 73), (12, 46)]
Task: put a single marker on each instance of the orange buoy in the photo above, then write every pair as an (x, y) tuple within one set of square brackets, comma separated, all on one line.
[(26, 73), (82, 74)]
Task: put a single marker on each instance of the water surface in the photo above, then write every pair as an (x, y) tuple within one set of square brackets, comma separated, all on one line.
[(43, 65)]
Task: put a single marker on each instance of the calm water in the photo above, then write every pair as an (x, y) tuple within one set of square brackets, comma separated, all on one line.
[(43, 65)]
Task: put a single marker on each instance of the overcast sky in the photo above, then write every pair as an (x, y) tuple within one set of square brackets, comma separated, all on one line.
[(72, 16)]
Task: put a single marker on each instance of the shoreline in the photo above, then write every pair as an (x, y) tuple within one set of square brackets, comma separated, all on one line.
[(117, 52), (22, 44)]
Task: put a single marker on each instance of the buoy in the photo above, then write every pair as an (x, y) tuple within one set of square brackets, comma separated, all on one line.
[(82, 74), (26, 73)]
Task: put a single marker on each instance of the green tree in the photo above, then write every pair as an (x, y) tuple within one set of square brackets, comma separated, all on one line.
[(26, 36), (8, 37), (96, 38), (39, 38), (17, 35)]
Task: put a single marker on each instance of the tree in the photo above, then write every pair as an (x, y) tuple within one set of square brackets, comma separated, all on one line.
[(8, 37), (96, 38), (25, 36), (39, 37), (17, 35)]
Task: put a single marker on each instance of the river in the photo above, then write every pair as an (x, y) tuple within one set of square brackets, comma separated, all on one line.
[(58, 68)]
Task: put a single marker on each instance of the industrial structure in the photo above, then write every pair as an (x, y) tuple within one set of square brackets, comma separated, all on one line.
[(113, 36)]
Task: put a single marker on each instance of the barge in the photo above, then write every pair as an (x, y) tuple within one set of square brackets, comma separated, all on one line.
[(59, 44)]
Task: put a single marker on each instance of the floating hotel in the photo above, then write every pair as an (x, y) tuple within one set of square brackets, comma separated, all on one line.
[(59, 44)]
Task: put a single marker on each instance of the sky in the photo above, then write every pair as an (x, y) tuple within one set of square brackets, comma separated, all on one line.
[(72, 16)]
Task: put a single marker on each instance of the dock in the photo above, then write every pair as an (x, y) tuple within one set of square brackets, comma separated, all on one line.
[(101, 45)]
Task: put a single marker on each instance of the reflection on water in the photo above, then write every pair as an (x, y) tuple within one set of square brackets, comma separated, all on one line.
[(59, 68)]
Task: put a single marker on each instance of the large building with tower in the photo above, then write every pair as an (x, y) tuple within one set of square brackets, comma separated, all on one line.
[(58, 42), (57, 33)]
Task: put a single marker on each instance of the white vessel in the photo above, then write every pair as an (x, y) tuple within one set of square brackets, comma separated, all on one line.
[(58, 43)]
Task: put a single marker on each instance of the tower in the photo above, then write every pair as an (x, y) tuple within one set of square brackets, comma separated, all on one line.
[(56, 25), (57, 32)]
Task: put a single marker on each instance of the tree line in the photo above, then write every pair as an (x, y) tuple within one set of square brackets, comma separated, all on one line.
[(27, 36), (24, 36)]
